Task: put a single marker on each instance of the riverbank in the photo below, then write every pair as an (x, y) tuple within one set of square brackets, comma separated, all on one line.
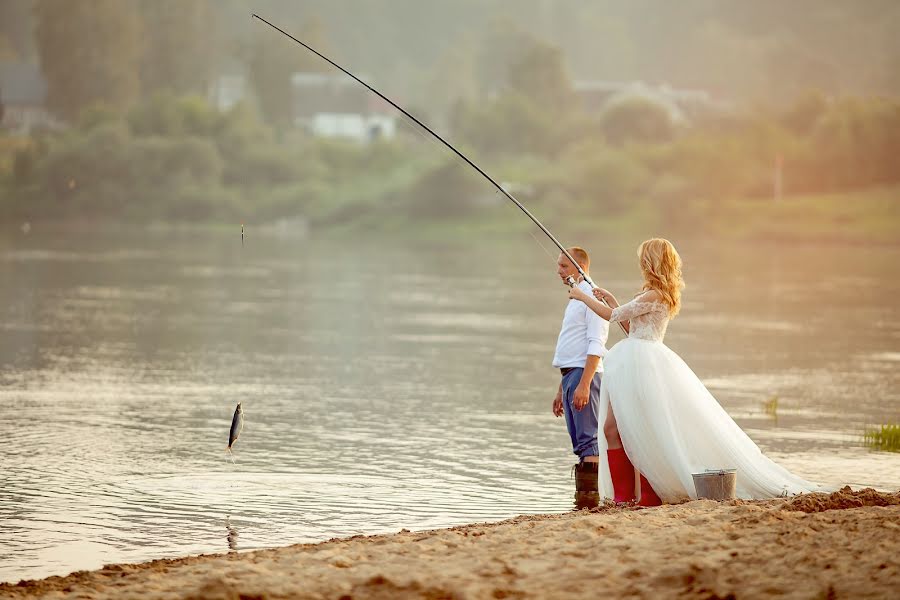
[(842, 545), (861, 218), (869, 217)]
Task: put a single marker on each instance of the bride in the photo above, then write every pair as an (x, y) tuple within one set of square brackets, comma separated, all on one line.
[(659, 415)]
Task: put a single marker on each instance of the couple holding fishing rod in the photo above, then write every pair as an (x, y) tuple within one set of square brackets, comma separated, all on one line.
[(660, 423)]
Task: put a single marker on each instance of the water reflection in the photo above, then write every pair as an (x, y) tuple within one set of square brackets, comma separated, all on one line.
[(402, 394), (586, 500), (232, 536)]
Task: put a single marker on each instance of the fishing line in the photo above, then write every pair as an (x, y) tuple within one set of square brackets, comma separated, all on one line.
[(448, 145), (544, 248)]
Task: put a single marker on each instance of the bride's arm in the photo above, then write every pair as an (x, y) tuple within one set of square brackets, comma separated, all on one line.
[(604, 296), (604, 311), (622, 314)]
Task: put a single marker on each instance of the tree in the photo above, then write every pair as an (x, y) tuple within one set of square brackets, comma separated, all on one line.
[(178, 44), (540, 74), (600, 179), (7, 52), (510, 124), (445, 191), (451, 80), (502, 46), (802, 116), (88, 53), (636, 118), (792, 69), (273, 59), (15, 29)]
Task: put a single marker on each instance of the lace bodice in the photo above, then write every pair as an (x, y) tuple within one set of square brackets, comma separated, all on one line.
[(649, 320)]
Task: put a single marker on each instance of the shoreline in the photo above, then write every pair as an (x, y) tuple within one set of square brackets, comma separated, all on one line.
[(844, 544), (445, 232), (855, 218)]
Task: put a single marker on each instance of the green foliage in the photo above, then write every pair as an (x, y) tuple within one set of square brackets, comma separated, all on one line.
[(446, 190), (107, 172), (15, 30), (602, 180), (869, 216), (271, 165), (11, 147), (302, 198), (856, 142), (177, 157), (502, 45), (770, 406), (198, 203), (511, 124), (178, 45), (530, 110), (239, 129), (272, 59), (168, 115), (450, 81), (714, 166), (95, 116), (540, 75), (23, 167), (637, 119), (180, 162), (88, 52), (803, 115), (886, 437), (767, 49)]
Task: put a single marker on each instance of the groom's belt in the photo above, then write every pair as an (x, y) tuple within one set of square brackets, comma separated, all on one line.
[(568, 370)]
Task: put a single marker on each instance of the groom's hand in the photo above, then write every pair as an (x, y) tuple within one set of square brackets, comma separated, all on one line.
[(557, 405), (582, 395)]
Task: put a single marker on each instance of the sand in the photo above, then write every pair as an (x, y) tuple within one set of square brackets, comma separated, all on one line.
[(842, 545)]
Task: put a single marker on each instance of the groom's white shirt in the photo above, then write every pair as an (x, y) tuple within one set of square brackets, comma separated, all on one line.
[(583, 332)]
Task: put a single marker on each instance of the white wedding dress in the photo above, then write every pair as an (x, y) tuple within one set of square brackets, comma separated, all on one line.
[(670, 425)]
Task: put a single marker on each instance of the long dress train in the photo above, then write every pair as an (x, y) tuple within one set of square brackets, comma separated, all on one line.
[(670, 425)]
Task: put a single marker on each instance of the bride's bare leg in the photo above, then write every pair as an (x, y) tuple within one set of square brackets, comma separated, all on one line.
[(610, 430)]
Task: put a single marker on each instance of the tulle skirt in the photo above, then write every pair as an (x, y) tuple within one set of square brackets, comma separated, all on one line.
[(671, 427)]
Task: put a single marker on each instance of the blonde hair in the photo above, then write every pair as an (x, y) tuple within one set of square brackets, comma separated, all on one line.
[(661, 267)]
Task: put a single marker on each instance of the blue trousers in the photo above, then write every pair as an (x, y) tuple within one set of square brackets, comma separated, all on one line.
[(582, 424)]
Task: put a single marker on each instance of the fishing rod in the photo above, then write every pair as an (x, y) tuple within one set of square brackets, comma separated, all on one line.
[(569, 280)]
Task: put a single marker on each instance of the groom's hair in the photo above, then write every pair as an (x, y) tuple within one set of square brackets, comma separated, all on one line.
[(581, 256)]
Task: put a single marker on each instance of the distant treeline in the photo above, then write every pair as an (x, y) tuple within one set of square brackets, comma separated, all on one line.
[(434, 53), (176, 158)]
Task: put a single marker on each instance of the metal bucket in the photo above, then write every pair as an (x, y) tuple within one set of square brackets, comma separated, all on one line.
[(715, 484)]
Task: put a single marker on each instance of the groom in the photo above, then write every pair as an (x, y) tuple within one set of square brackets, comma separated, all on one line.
[(581, 344)]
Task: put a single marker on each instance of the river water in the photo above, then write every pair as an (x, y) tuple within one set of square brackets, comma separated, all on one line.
[(385, 384)]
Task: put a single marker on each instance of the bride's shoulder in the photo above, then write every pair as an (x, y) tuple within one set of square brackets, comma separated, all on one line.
[(650, 297)]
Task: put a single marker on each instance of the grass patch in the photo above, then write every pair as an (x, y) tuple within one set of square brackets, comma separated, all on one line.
[(870, 216), (771, 406), (886, 437), (9, 146), (859, 216)]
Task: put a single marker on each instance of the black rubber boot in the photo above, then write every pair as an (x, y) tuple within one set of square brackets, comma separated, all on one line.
[(586, 477)]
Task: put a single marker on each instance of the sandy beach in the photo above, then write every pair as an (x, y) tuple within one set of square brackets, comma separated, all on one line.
[(842, 545)]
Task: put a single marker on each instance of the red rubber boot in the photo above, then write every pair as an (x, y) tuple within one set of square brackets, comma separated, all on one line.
[(648, 496), (622, 473)]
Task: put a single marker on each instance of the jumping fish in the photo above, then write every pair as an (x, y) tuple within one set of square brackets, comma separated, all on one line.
[(237, 424)]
